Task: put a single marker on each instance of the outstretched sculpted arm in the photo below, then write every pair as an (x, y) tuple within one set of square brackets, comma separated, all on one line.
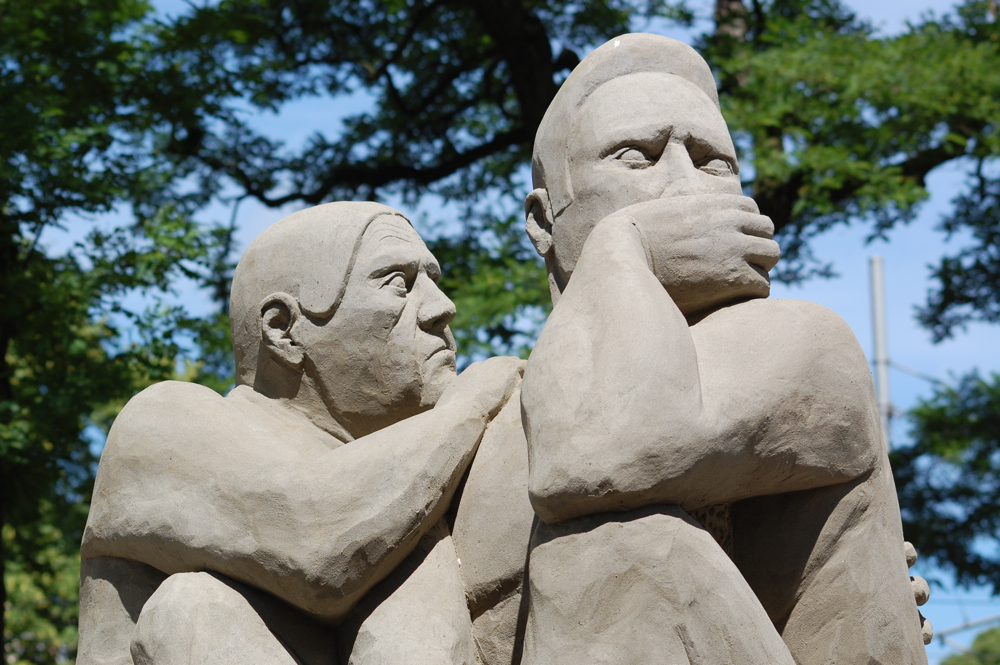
[(623, 407), (181, 488)]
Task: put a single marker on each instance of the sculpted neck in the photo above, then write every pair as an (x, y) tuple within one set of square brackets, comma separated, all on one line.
[(297, 392), (308, 402)]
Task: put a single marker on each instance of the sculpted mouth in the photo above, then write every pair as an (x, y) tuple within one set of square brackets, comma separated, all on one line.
[(443, 347)]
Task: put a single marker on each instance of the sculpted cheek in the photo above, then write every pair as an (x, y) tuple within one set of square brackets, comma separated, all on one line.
[(396, 360)]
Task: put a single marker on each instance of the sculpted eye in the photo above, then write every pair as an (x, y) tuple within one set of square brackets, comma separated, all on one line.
[(397, 281), (634, 157), (717, 166)]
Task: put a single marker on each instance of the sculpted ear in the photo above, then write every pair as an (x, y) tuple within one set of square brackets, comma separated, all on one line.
[(538, 222), (279, 312)]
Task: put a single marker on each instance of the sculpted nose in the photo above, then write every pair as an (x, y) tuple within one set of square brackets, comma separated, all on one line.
[(683, 177), (436, 309)]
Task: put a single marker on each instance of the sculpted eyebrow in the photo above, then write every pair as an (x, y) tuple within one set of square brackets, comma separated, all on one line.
[(393, 263), (643, 135)]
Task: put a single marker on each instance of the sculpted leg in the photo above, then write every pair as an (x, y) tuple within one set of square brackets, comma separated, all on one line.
[(641, 588), (198, 618), (416, 616), (112, 594)]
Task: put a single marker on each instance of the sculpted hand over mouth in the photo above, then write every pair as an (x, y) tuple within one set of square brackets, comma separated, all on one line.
[(706, 249)]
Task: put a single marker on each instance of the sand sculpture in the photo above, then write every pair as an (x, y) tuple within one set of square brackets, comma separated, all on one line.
[(664, 381), (705, 464), (303, 517)]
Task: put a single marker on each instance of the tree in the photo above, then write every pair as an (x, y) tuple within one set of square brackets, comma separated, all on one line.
[(80, 122), (836, 124), (460, 88), (949, 479), (844, 127)]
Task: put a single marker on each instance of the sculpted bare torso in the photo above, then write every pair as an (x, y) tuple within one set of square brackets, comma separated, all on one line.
[(765, 407), (664, 382)]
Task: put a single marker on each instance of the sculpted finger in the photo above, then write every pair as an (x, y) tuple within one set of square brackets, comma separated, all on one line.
[(921, 591), (512, 366), (926, 629), (759, 226), (486, 385), (762, 252), (506, 372), (725, 202), (911, 554)]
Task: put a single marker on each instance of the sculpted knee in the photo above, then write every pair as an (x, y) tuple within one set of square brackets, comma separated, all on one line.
[(198, 618)]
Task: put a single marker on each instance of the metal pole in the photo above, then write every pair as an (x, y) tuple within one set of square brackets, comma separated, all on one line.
[(881, 346)]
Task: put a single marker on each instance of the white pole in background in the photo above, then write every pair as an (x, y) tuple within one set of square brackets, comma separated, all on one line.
[(881, 346)]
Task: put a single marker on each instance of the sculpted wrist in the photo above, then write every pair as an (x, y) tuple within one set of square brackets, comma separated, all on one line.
[(617, 237)]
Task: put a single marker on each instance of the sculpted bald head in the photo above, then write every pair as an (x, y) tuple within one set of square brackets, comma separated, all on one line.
[(610, 137), (307, 255), (337, 309), (637, 53)]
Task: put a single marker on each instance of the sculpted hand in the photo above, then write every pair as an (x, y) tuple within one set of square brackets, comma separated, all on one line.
[(485, 385), (921, 593), (706, 250)]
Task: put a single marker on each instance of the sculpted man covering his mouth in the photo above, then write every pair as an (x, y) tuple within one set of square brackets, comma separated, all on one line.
[(243, 529), (665, 382)]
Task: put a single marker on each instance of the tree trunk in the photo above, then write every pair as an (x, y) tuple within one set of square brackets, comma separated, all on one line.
[(521, 38), (731, 19)]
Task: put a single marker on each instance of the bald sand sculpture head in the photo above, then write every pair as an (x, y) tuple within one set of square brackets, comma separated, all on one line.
[(637, 120), (343, 297)]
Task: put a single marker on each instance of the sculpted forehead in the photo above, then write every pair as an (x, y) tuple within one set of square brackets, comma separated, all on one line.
[(386, 232), (391, 228), (392, 240), (647, 108)]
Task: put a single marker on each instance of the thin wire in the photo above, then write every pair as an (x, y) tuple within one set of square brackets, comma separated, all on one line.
[(967, 625), (912, 372)]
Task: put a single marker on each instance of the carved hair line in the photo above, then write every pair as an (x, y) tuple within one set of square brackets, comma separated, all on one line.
[(332, 309)]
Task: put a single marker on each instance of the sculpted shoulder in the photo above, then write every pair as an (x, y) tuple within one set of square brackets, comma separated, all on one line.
[(797, 369), (783, 332), (177, 445), (169, 412), (170, 398)]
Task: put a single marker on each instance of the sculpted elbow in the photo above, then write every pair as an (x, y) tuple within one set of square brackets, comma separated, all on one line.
[(561, 492), (557, 504)]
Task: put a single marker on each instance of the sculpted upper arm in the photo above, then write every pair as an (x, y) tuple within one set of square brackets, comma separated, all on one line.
[(792, 376), (190, 482), (165, 452), (187, 482)]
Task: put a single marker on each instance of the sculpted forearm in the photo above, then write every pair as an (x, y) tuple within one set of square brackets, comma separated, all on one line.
[(613, 372), (626, 405), (317, 531), (389, 489)]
